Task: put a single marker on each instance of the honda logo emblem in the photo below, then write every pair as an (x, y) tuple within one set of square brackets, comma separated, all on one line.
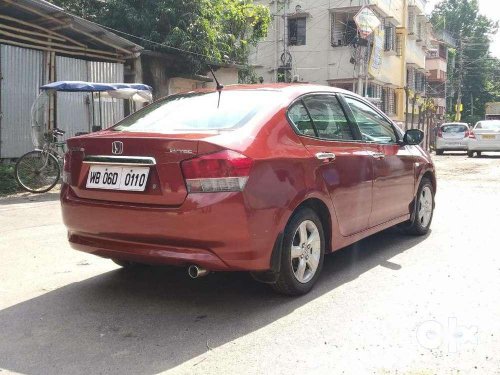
[(117, 147)]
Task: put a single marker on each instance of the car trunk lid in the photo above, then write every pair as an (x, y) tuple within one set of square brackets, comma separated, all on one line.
[(162, 154), (487, 134)]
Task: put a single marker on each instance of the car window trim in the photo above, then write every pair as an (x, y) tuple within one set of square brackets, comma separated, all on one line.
[(354, 129), (377, 110)]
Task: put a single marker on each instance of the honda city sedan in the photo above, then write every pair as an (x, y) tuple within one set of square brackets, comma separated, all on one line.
[(265, 179)]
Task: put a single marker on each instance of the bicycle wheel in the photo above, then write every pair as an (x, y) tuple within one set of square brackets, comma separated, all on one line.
[(37, 171)]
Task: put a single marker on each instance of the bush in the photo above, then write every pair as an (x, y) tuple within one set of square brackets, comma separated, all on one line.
[(8, 183)]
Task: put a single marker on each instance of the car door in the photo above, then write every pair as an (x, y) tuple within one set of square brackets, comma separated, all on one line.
[(339, 159), (393, 163)]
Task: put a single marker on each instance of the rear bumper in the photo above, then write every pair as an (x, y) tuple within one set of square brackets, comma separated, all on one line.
[(475, 145), (215, 231), (443, 144)]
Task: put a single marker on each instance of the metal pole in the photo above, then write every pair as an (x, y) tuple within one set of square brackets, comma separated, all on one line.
[(407, 92), (358, 62), (471, 106), (414, 101), (100, 111), (91, 127)]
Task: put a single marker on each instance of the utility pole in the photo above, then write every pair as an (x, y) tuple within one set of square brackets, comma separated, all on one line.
[(458, 109)]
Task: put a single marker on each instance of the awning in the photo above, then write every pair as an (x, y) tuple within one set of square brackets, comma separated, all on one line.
[(135, 91)]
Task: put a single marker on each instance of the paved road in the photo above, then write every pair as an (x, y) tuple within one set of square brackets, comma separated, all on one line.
[(390, 304)]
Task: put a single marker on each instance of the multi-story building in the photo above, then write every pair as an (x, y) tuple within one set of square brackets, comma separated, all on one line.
[(437, 66), (318, 42)]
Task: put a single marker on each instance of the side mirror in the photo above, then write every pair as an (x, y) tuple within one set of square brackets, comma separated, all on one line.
[(413, 137)]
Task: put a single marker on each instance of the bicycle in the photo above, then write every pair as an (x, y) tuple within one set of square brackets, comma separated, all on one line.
[(39, 171)]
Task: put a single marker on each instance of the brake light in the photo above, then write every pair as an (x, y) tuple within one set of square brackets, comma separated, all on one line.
[(440, 133), (223, 171), (472, 135), (466, 135)]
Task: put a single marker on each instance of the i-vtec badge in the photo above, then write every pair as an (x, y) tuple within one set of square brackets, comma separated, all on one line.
[(117, 148), (179, 151)]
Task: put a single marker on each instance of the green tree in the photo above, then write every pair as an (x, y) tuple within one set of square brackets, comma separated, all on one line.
[(214, 31), (472, 31), (88, 9)]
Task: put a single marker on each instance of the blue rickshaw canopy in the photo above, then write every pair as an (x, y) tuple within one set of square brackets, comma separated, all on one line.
[(80, 86)]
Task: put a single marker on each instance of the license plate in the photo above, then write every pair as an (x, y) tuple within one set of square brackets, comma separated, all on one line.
[(488, 136), (117, 178)]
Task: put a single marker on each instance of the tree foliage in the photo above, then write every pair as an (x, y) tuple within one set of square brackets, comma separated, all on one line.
[(214, 31), (472, 31)]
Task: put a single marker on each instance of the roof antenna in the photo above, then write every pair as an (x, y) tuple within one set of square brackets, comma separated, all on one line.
[(219, 87)]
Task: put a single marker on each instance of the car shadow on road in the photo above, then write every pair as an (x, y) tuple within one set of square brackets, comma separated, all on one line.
[(152, 319), (497, 156)]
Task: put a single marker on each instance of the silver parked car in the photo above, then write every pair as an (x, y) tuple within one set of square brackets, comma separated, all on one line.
[(484, 137), (452, 136)]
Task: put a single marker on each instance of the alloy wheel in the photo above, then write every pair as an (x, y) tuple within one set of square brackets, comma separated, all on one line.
[(425, 206), (305, 251)]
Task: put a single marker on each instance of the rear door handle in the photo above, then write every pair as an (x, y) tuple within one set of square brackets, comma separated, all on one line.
[(378, 155), (325, 156)]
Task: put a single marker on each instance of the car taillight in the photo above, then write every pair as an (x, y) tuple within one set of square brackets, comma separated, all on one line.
[(440, 133), (466, 135), (223, 171), (66, 175), (472, 135)]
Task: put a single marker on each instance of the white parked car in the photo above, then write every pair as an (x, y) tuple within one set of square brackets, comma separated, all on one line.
[(484, 137), (452, 136)]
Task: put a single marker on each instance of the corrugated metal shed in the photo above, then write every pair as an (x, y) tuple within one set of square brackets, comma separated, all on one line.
[(60, 46), (73, 114), (22, 72), (112, 109)]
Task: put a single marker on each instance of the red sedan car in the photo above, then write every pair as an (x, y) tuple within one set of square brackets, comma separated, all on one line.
[(266, 179)]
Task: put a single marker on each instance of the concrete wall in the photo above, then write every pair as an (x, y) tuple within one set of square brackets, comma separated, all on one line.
[(415, 54), (177, 85), (226, 76), (159, 72)]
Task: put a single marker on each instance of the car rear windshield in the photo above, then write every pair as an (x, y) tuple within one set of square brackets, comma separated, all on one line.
[(489, 125), (188, 113), (454, 128)]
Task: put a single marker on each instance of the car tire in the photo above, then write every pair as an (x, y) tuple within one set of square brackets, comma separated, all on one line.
[(302, 254), (470, 154), (439, 152), (424, 209), (478, 154)]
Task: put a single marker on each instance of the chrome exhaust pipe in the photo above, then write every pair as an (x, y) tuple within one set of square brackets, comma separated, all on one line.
[(195, 272)]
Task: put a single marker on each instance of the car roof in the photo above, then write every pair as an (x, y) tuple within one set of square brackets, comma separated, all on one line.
[(290, 89), (454, 123)]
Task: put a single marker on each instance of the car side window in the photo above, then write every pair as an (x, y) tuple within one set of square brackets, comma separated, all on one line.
[(373, 126), (328, 117), (300, 119)]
